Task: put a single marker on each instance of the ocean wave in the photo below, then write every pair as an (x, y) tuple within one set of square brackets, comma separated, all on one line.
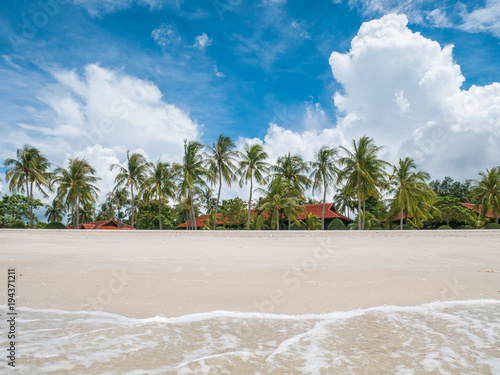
[(439, 337)]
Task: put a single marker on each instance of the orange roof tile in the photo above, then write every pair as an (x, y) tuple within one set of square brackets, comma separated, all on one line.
[(315, 209), (471, 206), (104, 224)]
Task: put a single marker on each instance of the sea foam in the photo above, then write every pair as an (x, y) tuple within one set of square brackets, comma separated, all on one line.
[(439, 337)]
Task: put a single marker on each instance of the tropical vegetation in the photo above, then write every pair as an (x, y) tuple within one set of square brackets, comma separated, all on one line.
[(164, 195)]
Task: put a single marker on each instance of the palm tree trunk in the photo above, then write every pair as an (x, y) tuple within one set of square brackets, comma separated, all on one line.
[(193, 218), (133, 208), (77, 213), (31, 204), (249, 204), (192, 210), (359, 213), (324, 200), (218, 197), (277, 220), (28, 195), (288, 223), (159, 211), (364, 212), (401, 220)]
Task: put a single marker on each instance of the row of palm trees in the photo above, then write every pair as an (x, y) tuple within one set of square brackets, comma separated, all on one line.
[(356, 175)]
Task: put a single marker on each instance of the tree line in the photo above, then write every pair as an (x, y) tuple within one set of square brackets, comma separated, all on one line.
[(363, 183)]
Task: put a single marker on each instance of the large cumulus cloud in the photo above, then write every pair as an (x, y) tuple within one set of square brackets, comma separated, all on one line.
[(100, 114), (405, 91)]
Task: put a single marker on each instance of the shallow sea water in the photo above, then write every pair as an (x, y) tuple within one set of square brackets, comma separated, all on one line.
[(436, 338)]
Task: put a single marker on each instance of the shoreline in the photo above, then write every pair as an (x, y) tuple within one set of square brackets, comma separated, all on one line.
[(176, 273)]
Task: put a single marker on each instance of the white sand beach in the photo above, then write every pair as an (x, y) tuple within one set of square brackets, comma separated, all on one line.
[(171, 273)]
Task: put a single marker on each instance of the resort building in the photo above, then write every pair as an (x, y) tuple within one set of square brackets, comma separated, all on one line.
[(105, 224), (471, 206), (315, 209)]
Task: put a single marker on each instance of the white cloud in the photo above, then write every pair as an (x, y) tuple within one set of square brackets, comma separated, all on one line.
[(103, 113), (100, 158), (484, 19), (387, 59), (401, 101), (257, 48), (202, 41), (481, 19), (403, 90), (218, 73), (438, 18), (272, 2), (298, 29), (8, 61), (166, 35), (99, 8)]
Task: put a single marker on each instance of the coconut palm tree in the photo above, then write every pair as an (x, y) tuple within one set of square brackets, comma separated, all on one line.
[(207, 199), (344, 203), (220, 159), (292, 168), (281, 197), (86, 212), (106, 210), (76, 186), (190, 174), (475, 220), (185, 204), (324, 173), (41, 182), (258, 222), (29, 169), (253, 164), (363, 174), (133, 176), (409, 189), (55, 212), (160, 184), (118, 198), (486, 192), (312, 222)]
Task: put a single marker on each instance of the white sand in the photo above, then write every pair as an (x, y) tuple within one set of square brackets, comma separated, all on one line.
[(172, 273)]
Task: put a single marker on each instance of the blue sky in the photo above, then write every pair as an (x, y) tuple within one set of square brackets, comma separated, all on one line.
[(234, 67)]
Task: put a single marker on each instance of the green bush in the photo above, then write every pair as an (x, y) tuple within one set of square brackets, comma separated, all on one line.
[(465, 227), (488, 226), (444, 227), (55, 226), (337, 224), (294, 226), (220, 228), (18, 224), (407, 227)]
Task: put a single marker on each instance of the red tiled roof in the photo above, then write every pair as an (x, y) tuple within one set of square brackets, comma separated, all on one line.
[(201, 221), (315, 209), (103, 225), (398, 217), (470, 206)]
